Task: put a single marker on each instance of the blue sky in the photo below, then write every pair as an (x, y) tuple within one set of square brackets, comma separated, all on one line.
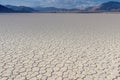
[(55, 3)]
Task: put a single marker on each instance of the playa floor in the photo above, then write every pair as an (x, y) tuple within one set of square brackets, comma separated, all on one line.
[(59, 46)]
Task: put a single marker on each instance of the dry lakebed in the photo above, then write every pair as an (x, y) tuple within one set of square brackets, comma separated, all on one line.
[(66, 46)]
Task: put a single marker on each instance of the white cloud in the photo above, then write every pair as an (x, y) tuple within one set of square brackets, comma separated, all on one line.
[(65, 3)]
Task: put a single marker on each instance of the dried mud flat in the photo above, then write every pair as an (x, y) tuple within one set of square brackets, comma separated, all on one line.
[(59, 47)]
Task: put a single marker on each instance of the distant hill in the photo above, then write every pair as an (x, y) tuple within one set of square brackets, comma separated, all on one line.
[(44, 9), (20, 8), (109, 6), (4, 9), (53, 9), (38, 9)]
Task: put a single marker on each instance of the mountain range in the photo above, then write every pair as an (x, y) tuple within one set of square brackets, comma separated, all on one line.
[(111, 6), (20, 8), (4, 9)]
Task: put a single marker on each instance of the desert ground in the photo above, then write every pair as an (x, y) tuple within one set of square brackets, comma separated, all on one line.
[(60, 46)]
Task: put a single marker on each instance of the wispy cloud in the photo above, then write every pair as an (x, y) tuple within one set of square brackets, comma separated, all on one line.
[(65, 3)]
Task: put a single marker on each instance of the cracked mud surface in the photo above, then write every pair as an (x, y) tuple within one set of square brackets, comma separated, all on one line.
[(59, 47)]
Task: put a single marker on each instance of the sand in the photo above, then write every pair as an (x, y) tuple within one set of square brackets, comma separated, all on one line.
[(59, 46)]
